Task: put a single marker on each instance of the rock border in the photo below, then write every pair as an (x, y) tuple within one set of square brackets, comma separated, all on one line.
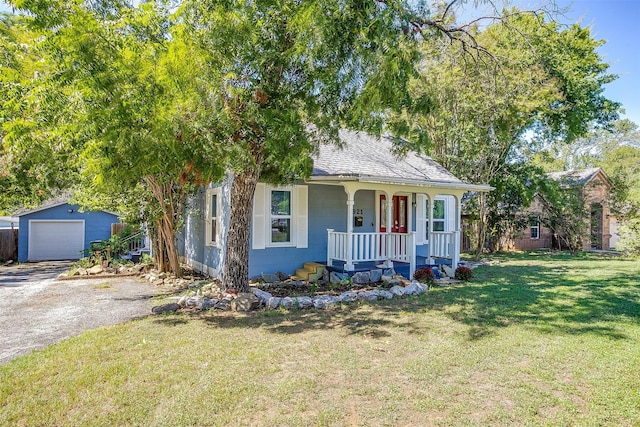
[(211, 297)]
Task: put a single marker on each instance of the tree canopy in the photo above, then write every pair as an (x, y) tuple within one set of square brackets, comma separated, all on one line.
[(477, 115), (146, 103)]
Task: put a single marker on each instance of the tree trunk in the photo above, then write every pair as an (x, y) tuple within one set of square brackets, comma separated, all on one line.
[(169, 199), (236, 264)]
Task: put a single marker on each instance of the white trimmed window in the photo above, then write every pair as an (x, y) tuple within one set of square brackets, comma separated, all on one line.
[(442, 206), (213, 216), (280, 216), (534, 231), (438, 215)]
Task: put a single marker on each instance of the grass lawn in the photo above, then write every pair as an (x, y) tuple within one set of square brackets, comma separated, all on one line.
[(536, 339)]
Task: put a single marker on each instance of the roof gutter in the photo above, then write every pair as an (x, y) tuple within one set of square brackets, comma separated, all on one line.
[(405, 182)]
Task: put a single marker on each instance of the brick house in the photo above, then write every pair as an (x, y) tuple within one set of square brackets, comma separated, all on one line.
[(595, 189)]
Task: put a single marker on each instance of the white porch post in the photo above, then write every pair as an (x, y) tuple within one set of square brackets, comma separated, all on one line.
[(329, 248), (411, 246), (349, 262), (455, 257), (390, 225), (430, 230)]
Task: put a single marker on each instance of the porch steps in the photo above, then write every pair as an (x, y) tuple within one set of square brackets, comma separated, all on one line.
[(310, 272)]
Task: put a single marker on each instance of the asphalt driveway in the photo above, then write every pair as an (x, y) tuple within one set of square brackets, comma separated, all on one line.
[(37, 310)]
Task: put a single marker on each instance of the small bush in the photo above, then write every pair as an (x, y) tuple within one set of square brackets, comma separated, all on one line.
[(85, 262), (463, 273), (424, 275)]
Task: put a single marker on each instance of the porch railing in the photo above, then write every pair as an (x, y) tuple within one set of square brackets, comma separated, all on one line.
[(445, 245), (363, 247)]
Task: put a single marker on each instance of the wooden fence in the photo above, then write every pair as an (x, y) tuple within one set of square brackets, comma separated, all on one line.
[(8, 245), (117, 227)]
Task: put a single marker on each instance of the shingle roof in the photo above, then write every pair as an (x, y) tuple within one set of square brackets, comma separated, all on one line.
[(364, 155), (576, 177)]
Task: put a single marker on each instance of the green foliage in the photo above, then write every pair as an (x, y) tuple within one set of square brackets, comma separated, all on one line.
[(84, 262), (477, 116), (514, 190), (615, 149), (116, 245), (146, 259), (565, 215)]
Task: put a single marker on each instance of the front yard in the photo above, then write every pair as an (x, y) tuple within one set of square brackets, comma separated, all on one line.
[(533, 339)]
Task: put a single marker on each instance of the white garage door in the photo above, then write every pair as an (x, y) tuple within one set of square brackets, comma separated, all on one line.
[(55, 240)]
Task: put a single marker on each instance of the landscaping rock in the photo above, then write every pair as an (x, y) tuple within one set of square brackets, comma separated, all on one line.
[(287, 302), (324, 301), (348, 296), (282, 276), (165, 308), (96, 269), (368, 295), (298, 283), (415, 288), (224, 304), (270, 278), (274, 302), (193, 302), (82, 272), (449, 271), (262, 295), (245, 302), (304, 302), (208, 303), (389, 272), (375, 275), (361, 277), (397, 290), (385, 294), (336, 277)]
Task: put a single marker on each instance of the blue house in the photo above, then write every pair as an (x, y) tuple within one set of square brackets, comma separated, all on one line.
[(362, 206), (59, 231)]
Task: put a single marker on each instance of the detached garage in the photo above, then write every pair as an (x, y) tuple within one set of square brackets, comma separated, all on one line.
[(59, 232)]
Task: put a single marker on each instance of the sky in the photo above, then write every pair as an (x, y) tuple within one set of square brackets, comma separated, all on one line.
[(614, 21)]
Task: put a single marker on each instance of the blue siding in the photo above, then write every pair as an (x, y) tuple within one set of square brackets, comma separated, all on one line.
[(192, 240), (327, 209), (97, 225)]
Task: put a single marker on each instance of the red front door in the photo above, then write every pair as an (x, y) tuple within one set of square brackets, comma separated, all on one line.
[(399, 214)]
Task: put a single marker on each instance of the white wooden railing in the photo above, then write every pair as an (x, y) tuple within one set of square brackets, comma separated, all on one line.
[(440, 244), (366, 247), (363, 247), (445, 245)]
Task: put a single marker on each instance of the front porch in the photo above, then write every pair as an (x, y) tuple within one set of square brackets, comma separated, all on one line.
[(353, 251)]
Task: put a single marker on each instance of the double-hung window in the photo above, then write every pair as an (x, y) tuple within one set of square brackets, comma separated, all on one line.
[(438, 215), (534, 231), (212, 217), (443, 207), (280, 217)]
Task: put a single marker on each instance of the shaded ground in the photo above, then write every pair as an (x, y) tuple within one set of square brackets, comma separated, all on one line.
[(37, 310)]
